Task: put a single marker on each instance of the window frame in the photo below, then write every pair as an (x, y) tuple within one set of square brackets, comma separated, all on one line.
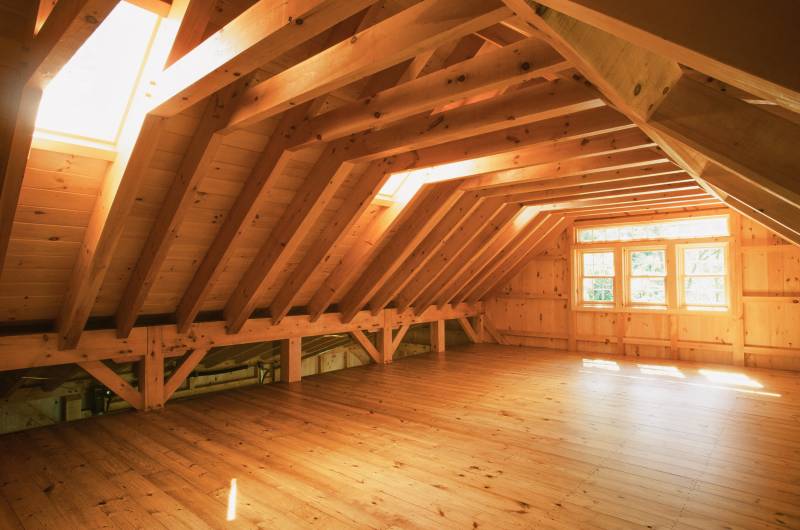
[(627, 251), (681, 277), (582, 276), (674, 282)]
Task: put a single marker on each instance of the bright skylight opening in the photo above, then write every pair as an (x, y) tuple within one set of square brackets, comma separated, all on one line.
[(89, 98), (401, 187)]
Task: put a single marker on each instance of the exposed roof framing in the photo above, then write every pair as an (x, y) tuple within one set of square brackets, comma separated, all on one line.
[(248, 176)]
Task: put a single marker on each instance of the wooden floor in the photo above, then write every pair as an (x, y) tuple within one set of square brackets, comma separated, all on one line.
[(484, 437)]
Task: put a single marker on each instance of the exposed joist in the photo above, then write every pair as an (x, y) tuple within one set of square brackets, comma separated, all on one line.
[(260, 34), (422, 26), (497, 69), (485, 255), (554, 232), (192, 29), (358, 200)]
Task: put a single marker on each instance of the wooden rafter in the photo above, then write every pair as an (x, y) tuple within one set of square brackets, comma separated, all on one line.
[(425, 25)]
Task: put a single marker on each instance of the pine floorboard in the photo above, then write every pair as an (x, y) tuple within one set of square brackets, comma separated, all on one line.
[(483, 436)]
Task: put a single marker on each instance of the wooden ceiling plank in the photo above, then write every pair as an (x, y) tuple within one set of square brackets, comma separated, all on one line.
[(433, 203), (179, 200), (260, 34), (553, 233), (358, 200), (351, 263), (468, 273), (534, 231), (463, 208), (527, 60), (466, 256), (746, 47), (469, 227), (309, 202), (420, 27)]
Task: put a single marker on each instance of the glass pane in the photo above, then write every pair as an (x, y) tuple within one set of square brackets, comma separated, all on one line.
[(678, 229), (598, 289), (704, 290), (704, 260), (648, 262), (598, 264), (648, 291)]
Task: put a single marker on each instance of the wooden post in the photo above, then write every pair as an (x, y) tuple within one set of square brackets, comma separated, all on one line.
[(736, 294), (290, 360), (478, 326), (437, 336), (385, 345), (151, 371)]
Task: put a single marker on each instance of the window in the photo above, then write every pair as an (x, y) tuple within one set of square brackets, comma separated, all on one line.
[(686, 271), (678, 229), (704, 274), (597, 277), (647, 277), (89, 98)]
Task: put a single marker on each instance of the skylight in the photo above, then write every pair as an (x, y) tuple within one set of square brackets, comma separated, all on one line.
[(89, 98)]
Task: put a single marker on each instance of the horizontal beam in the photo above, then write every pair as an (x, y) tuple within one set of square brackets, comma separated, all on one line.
[(41, 349)]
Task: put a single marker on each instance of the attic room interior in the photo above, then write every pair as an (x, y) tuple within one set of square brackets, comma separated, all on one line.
[(399, 264)]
